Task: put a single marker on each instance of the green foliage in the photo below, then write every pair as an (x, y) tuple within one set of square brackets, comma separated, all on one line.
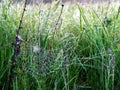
[(81, 53)]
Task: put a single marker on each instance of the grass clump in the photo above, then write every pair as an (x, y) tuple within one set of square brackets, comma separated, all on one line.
[(70, 48)]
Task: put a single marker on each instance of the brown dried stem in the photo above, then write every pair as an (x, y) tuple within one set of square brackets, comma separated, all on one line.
[(15, 56), (20, 24), (55, 26)]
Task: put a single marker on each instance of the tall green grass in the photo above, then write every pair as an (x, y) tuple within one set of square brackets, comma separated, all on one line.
[(81, 53)]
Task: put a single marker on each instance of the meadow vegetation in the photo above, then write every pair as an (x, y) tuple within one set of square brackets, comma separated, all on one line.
[(70, 47)]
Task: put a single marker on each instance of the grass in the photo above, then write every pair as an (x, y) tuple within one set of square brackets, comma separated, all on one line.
[(79, 51)]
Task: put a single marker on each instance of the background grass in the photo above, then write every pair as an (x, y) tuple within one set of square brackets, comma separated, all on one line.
[(81, 53)]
